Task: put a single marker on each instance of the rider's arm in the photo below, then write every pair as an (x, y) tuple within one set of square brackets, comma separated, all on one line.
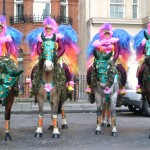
[(116, 51), (39, 48), (8, 48), (61, 49)]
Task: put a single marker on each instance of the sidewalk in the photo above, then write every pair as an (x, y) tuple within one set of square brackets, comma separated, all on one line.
[(28, 106)]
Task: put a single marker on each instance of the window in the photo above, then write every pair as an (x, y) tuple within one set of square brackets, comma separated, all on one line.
[(116, 8), (134, 8), (64, 8), (44, 6), (18, 8)]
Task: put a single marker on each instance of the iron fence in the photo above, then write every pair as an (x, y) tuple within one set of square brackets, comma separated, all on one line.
[(78, 94), (38, 18)]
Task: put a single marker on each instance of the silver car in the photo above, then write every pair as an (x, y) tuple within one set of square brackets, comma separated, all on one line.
[(135, 102)]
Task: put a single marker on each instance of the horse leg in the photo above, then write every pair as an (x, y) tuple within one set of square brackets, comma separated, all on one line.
[(104, 110), (113, 114), (54, 111), (39, 132), (108, 116), (99, 113), (51, 124), (8, 107), (63, 115)]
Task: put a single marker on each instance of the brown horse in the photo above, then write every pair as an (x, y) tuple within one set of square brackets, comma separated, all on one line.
[(8, 89), (49, 83)]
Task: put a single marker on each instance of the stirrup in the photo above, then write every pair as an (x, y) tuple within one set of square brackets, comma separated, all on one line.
[(88, 90)]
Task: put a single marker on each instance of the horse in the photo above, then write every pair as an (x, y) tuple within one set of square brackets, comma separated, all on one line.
[(105, 86), (146, 82), (49, 83), (8, 89)]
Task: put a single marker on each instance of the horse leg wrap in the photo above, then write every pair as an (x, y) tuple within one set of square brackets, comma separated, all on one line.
[(40, 121), (7, 125), (55, 121), (55, 125), (63, 114), (98, 120)]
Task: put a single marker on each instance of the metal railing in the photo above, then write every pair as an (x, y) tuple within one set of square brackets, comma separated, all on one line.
[(38, 18), (79, 87)]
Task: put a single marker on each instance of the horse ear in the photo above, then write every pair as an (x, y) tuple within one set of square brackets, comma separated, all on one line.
[(96, 54), (146, 35), (43, 37)]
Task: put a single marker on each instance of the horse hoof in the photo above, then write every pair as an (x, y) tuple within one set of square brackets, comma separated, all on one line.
[(114, 134), (8, 137), (50, 127), (55, 135), (97, 132), (104, 125), (39, 135), (64, 126), (109, 125)]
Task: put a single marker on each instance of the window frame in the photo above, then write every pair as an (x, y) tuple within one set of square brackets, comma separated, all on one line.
[(117, 4), (137, 13), (66, 5), (15, 6)]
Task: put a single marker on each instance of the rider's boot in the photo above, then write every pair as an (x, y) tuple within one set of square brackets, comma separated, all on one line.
[(70, 86), (88, 90), (122, 91), (138, 89)]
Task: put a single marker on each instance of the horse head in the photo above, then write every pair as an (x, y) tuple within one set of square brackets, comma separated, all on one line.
[(102, 62), (48, 53)]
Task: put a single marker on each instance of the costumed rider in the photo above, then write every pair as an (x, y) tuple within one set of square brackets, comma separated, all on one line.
[(107, 41), (142, 47), (50, 32), (10, 38)]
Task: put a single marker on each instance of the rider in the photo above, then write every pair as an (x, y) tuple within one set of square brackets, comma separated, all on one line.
[(50, 31), (10, 38), (146, 52), (107, 43)]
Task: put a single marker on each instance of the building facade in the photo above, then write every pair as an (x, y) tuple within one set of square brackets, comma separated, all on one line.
[(131, 15), (26, 15)]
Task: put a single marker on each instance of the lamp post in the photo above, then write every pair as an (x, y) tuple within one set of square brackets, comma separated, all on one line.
[(4, 13)]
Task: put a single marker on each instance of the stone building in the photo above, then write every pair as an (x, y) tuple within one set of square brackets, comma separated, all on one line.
[(131, 15), (26, 15)]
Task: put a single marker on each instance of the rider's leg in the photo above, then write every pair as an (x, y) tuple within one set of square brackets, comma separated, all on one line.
[(70, 83), (123, 73), (140, 78), (88, 78)]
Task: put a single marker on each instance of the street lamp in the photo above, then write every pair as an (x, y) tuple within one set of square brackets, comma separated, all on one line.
[(4, 13)]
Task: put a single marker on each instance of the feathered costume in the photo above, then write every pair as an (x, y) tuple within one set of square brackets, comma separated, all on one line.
[(106, 41), (66, 43), (10, 38), (142, 47)]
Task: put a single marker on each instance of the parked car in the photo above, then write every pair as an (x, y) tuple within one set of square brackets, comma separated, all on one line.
[(135, 102)]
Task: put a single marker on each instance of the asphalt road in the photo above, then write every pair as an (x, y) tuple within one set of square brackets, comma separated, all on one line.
[(133, 132)]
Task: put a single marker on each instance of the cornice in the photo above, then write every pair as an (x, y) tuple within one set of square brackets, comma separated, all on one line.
[(142, 21)]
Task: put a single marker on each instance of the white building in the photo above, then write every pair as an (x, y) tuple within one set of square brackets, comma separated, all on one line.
[(130, 15)]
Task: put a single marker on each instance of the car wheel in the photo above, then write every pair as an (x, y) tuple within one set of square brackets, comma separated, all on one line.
[(134, 109), (146, 107)]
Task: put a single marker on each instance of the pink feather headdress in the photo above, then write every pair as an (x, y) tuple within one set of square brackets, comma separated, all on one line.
[(50, 23), (3, 24), (105, 27), (149, 28)]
